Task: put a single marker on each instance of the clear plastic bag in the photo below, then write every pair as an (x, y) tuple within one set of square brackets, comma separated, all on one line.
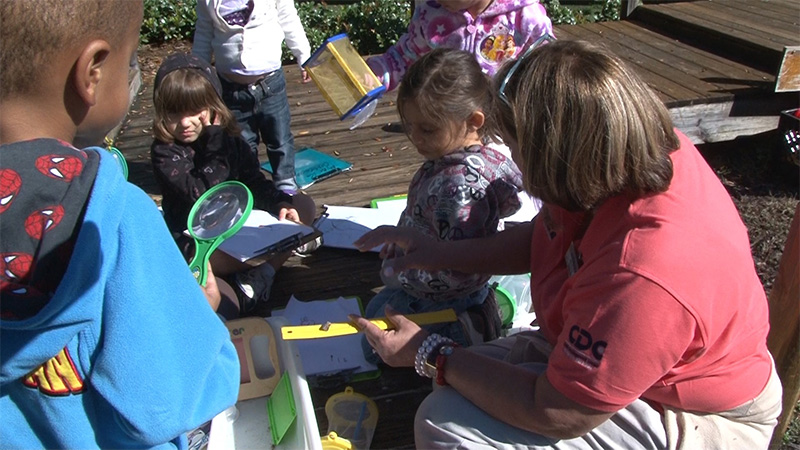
[(513, 294)]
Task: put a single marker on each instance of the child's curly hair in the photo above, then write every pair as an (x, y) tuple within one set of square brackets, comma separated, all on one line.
[(34, 32)]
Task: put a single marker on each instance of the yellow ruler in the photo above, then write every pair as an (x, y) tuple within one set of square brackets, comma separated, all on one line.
[(343, 328)]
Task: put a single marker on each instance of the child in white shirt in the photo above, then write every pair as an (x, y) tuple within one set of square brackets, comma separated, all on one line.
[(245, 38)]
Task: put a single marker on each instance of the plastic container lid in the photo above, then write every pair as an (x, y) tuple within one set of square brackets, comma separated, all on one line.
[(506, 305), (281, 409), (363, 114), (333, 442)]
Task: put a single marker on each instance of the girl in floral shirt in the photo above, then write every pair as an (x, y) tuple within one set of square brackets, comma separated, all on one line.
[(461, 191)]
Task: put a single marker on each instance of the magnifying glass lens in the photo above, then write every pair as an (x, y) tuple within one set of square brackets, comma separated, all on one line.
[(217, 215)]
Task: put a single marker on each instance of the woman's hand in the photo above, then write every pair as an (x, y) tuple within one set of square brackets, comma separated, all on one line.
[(405, 248), (397, 347)]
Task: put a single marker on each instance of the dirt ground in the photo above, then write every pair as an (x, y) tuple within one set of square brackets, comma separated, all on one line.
[(764, 185)]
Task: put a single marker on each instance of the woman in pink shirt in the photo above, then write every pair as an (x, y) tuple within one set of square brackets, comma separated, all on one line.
[(653, 322)]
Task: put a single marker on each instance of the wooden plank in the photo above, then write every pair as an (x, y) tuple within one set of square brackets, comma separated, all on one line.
[(672, 92), (327, 273), (789, 72), (710, 65), (718, 122), (767, 34), (783, 5), (735, 36), (784, 319), (767, 11), (762, 16), (684, 70)]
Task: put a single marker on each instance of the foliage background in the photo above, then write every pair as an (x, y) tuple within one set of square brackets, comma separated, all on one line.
[(372, 25)]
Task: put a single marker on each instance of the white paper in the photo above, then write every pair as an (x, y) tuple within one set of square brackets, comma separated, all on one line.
[(333, 354), (261, 230), (345, 224), (530, 205), (396, 206), (529, 209)]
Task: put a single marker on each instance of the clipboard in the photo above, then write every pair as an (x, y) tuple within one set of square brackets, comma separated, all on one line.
[(312, 165), (264, 236), (342, 225), (376, 202)]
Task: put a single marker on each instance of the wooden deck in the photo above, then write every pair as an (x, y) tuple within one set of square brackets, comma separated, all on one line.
[(715, 93)]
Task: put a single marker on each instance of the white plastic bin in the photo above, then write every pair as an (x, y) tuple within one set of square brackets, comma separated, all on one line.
[(250, 430)]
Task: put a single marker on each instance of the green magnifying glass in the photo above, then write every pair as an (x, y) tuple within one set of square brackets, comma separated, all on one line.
[(217, 215), (120, 158)]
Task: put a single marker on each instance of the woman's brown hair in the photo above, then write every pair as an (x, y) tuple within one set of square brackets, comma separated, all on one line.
[(586, 126), (188, 91)]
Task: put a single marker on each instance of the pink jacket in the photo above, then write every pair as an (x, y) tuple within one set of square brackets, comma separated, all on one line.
[(502, 32)]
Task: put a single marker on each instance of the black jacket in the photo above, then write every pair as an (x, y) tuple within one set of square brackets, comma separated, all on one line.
[(185, 172)]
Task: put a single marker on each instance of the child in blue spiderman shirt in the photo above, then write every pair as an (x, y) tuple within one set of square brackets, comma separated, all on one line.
[(106, 339)]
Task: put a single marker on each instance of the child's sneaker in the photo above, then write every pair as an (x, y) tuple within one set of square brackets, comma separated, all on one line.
[(287, 186), (308, 248), (198, 439), (254, 287), (482, 323)]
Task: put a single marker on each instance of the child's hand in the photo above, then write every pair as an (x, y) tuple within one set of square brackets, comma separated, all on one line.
[(212, 290), (206, 117), (403, 248), (289, 213)]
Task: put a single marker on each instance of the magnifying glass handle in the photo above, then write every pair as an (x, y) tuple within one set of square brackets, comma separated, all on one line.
[(199, 264)]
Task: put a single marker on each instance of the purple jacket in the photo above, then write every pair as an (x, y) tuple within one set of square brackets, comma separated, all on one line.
[(500, 33)]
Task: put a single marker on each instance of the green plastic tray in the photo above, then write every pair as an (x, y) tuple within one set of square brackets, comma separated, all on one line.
[(281, 409)]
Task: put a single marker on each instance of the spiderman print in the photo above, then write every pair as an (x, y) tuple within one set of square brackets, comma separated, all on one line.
[(10, 183), (44, 187), (43, 220), (60, 167)]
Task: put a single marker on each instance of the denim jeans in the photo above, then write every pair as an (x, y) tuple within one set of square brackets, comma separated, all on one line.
[(262, 110), (405, 303)]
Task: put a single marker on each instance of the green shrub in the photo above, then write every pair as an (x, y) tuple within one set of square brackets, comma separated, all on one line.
[(168, 20), (600, 11), (375, 25), (611, 10), (372, 25)]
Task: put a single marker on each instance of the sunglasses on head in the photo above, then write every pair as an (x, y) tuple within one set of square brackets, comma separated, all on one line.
[(541, 41)]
